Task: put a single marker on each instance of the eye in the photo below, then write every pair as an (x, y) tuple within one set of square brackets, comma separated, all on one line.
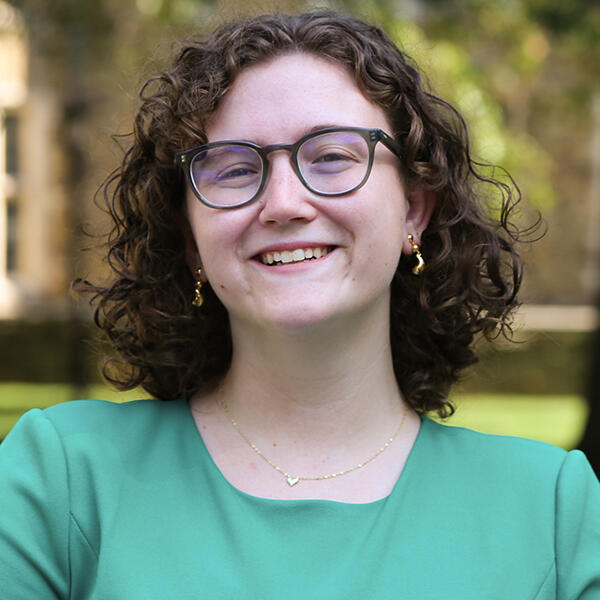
[(236, 171), (332, 156), (329, 159), (333, 153), (227, 167)]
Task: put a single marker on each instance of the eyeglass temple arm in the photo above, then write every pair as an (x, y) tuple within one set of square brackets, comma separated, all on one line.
[(390, 143)]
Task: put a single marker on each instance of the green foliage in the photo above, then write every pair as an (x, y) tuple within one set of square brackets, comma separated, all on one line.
[(455, 75), (558, 420), (49, 351), (62, 27), (176, 11), (538, 362), (559, 16)]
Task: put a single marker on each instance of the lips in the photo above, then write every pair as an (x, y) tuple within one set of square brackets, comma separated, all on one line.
[(296, 255)]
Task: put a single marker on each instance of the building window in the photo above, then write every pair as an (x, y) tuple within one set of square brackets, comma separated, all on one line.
[(11, 236), (11, 125), (11, 191)]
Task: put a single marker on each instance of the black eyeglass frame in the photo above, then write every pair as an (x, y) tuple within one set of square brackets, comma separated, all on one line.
[(371, 136)]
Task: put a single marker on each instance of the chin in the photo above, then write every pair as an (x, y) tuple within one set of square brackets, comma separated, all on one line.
[(298, 320), (307, 318)]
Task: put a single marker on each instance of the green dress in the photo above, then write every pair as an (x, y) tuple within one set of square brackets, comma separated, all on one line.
[(123, 502)]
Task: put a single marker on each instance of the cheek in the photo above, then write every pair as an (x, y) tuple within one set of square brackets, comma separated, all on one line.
[(220, 268), (385, 213), (214, 231), (219, 237), (206, 239), (388, 232)]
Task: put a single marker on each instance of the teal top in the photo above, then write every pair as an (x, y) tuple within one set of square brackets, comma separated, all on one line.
[(123, 502)]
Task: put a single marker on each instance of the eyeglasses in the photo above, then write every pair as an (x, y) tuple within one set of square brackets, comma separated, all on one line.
[(328, 162)]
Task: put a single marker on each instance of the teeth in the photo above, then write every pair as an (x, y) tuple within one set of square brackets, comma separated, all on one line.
[(290, 256)]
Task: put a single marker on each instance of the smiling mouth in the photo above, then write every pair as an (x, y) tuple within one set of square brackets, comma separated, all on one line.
[(283, 257)]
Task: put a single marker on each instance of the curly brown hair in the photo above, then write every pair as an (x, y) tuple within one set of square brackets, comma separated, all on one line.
[(473, 271)]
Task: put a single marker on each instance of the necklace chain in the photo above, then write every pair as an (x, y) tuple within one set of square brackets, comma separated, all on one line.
[(293, 480)]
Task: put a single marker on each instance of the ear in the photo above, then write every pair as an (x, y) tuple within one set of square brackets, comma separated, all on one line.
[(421, 204)]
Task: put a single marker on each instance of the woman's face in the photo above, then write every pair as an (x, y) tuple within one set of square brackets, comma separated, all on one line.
[(364, 231)]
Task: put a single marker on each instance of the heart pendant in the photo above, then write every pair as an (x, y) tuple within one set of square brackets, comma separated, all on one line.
[(292, 481)]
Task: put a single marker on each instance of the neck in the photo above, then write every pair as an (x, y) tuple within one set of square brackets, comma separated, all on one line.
[(329, 379)]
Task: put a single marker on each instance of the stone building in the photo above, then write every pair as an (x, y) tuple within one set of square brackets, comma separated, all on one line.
[(13, 98), (33, 270)]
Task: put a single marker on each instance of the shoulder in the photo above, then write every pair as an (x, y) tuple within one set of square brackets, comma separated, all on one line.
[(103, 429), (486, 449), (99, 445), (87, 415), (538, 502), (502, 464), (528, 483)]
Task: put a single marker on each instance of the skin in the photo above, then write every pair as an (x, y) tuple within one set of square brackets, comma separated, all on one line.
[(311, 382)]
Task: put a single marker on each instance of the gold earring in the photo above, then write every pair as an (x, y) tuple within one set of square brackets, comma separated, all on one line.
[(418, 268), (198, 300)]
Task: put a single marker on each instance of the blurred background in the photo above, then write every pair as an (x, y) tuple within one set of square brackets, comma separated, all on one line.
[(525, 73)]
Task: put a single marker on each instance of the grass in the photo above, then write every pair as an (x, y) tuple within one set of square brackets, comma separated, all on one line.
[(557, 419), (16, 398)]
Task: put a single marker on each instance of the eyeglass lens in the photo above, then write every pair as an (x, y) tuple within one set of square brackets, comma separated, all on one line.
[(329, 163)]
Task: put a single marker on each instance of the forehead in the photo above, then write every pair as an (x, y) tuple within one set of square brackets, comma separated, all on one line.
[(281, 99)]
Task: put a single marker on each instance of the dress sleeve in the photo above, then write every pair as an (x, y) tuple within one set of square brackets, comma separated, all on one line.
[(34, 513), (577, 530)]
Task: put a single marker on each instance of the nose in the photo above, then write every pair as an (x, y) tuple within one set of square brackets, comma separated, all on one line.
[(284, 198)]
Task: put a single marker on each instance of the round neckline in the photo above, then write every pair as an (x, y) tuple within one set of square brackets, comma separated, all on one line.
[(217, 473)]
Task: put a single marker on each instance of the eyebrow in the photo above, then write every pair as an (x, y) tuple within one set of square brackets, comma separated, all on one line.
[(322, 126), (304, 132), (314, 128)]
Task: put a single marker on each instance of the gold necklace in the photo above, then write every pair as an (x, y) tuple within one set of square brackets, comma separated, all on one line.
[(293, 480)]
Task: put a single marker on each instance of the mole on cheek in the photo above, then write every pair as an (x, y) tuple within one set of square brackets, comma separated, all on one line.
[(221, 286)]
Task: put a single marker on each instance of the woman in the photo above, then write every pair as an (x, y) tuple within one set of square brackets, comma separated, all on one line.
[(301, 264)]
